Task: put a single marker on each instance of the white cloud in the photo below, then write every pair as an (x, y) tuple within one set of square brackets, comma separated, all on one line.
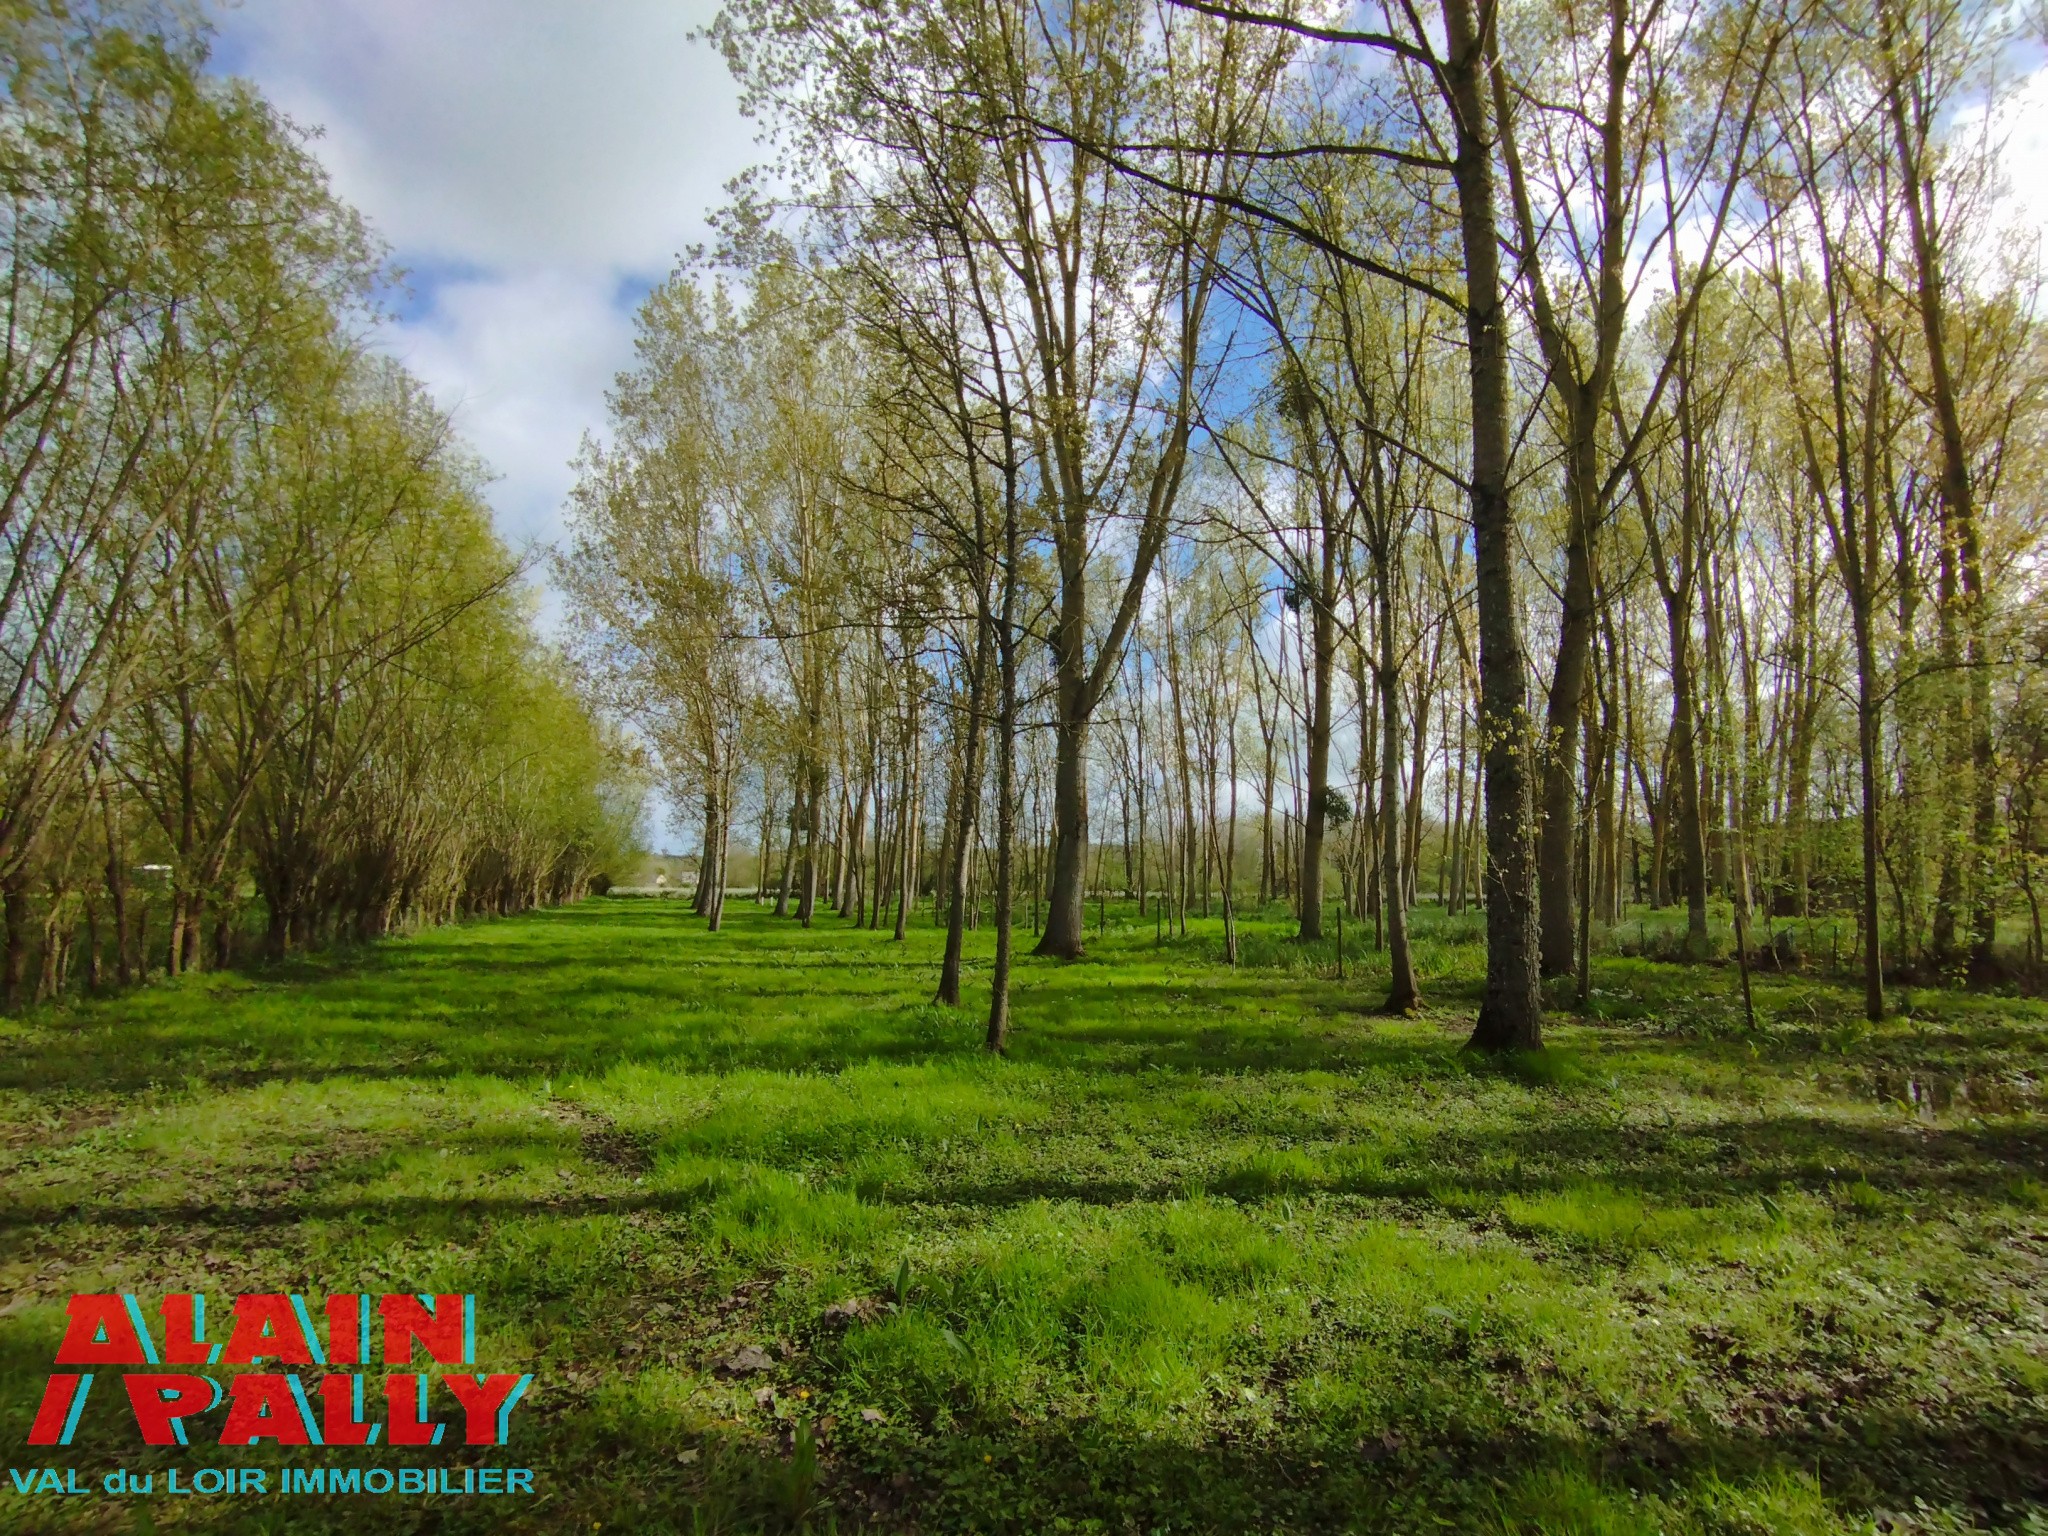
[(535, 165), (523, 360), (508, 132)]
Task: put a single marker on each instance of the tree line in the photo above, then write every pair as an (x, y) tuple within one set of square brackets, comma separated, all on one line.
[(267, 676), (1592, 451)]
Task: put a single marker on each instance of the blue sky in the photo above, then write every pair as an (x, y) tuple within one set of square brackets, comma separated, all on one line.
[(536, 165)]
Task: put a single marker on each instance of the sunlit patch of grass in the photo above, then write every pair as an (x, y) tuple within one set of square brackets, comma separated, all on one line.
[(1570, 1501), (1597, 1216)]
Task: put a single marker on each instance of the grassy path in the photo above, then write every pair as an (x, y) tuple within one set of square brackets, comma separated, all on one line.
[(1213, 1250)]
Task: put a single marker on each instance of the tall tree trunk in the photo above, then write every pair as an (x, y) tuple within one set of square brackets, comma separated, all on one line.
[(1418, 775), (878, 835), (814, 811), (855, 895), (907, 847), (960, 851), (709, 876), (1556, 819), (1230, 846), (767, 824), (1268, 776), (1322, 604), (117, 887), (1867, 748), (1065, 920), (1511, 1015), (1962, 579), (1403, 995), (1458, 825), (1006, 790), (715, 917), (14, 960), (1186, 865), (1690, 825), (93, 975), (195, 931), (1606, 753), (789, 857)]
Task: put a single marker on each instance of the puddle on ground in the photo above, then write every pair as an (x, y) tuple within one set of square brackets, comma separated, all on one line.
[(1929, 1094)]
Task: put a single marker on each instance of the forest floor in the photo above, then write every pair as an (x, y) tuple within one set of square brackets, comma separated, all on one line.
[(1212, 1250)]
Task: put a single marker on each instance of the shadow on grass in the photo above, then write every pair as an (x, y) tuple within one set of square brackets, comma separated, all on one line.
[(1701, 1166), (583, 989), (610, 1461), (1033, 1480)]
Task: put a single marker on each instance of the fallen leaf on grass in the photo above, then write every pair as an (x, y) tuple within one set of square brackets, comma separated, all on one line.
[(747, 1360)]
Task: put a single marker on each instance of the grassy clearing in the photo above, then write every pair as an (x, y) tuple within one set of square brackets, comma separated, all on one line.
[(1213, 1250)]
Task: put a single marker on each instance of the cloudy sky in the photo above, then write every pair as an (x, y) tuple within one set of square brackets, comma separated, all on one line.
[(535, 165)]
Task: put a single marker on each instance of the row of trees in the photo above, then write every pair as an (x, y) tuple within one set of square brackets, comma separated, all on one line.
[(262, 659), (1585, 442)]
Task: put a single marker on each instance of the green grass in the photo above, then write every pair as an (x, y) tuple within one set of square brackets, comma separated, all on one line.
[(1211, 1251)]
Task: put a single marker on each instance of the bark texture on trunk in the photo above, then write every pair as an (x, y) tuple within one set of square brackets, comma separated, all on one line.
[(1066, 919), (1511, 1015)]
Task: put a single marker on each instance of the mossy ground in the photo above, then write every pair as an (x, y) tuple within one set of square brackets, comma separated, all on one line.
[(1212, 1250)]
